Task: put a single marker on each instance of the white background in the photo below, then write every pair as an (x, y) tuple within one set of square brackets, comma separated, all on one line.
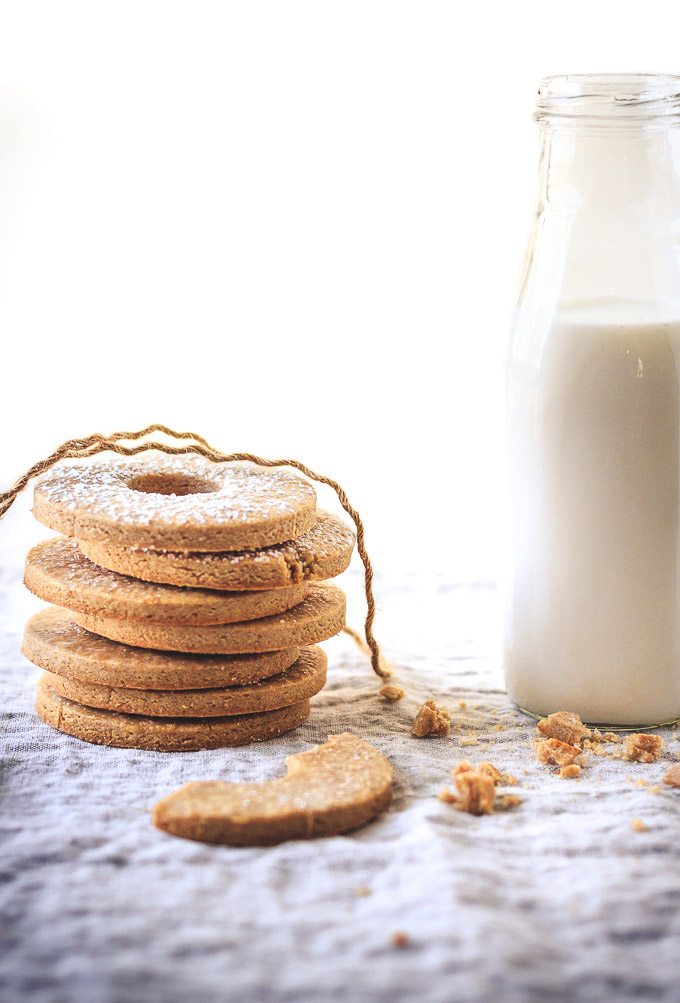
[(295, 228)]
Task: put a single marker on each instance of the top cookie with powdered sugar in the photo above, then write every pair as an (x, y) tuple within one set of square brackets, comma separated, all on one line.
[(176, 503)]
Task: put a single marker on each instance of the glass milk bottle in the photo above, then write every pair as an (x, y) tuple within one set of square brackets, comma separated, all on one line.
[(593, 410)]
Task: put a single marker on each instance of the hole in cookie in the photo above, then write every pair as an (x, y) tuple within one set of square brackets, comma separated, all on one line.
[(172, 484)]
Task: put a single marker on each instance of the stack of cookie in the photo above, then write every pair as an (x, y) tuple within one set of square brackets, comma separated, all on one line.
[(189, 597)]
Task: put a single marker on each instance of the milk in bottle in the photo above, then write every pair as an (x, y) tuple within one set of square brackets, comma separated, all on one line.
[(593, 412)]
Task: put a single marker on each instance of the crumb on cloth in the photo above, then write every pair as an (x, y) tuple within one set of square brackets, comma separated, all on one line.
[(554, 752), (564, 726), (489, 770), (672, 776), (637, 825), (392, 693), (475, 788), (476, 792), (643, 748), (431, 719), (570, 771), (486, 769)]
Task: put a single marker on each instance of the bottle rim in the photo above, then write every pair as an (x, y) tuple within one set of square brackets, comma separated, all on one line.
[(609, 97)]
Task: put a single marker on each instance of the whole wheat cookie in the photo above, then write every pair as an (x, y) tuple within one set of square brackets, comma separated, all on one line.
[(300, 682), (55, 642), (323, 552), (162, 734), (329, 789), (319, 616), (57, 572), (175, 503)]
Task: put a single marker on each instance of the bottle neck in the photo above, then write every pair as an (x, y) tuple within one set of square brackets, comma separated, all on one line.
[(615, 169), (608, 221)]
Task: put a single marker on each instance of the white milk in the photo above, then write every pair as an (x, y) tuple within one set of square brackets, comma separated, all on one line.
[(594, 439)]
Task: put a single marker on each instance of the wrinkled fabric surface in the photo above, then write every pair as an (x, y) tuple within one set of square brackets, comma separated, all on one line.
[(557, 898)]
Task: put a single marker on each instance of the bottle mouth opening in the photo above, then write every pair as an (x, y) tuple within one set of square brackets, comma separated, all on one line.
[(609, 97)]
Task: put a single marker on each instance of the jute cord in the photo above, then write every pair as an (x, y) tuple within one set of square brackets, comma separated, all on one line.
[(91, 445)]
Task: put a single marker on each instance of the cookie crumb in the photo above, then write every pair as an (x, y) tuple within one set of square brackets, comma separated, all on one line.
[(640, 782), (654, 789), (565, 727), (476, 793), (400, 939), (486, 770), (637, 825), (431, 719), (597, 748), (672, 776), (468, 740), (570, 771), (392, 693), (554, 752), (611, 736), (643, 748), (462, 766), (361, 891), (475, 787), (510, 801), (462, 704), (489, 770)]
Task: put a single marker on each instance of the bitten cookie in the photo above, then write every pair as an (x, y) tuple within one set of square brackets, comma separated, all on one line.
[(176, 503), (57, 572), (323, 552), (55, 642), (319, 616), (329, 789), (300, 682), (162, 734)]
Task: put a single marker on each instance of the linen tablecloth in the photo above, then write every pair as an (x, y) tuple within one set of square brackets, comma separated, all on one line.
[(557, 898)]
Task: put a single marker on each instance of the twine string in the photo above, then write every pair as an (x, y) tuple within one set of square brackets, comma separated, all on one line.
[(91, 445)]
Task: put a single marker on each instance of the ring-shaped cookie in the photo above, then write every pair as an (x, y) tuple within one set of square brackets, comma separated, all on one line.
[(59, 573), (162, 734), (55, 642), (322, 552), (300, 682), (176, 503)]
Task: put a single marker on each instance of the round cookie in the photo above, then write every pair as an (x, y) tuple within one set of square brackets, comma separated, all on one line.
[(324, 551), (300, 682), (162, 734), (176, 503), (316, 618), (53, 641), (57, 572)]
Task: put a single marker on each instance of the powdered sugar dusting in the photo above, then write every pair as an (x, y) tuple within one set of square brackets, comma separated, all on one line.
[(241, 493)]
